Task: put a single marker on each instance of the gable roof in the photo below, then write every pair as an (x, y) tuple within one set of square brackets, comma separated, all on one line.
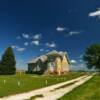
[(44, 58), (52, 52)]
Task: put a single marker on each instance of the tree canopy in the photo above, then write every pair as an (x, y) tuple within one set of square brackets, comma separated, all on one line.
[(92, 56)]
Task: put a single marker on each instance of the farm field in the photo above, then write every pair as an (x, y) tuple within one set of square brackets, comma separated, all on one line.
[(88, 91), (15, 84)]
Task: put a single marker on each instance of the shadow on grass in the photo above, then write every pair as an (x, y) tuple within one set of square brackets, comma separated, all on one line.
[(34, 97)]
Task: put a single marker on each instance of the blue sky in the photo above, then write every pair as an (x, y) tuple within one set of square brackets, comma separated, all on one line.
[(34, 27)]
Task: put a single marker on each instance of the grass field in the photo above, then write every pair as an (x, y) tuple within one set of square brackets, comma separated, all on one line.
[(17, 84), (88, 91)]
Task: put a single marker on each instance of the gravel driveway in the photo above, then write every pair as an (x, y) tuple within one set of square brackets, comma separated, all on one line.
[(51, 92)]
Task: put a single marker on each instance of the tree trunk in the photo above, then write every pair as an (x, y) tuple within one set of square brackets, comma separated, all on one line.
[(99, 71)]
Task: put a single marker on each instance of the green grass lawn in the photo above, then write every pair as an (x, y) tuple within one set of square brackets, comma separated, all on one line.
[(30, 82), (88, 91)]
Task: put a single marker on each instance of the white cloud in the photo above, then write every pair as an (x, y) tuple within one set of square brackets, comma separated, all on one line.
[(35, 42), (43, 50), (51, 45), (20, 49), (37, 36), (25, 35), (26, 43), (60, 29), (14, 46), (73, 61), (79, 66), (95, 13)]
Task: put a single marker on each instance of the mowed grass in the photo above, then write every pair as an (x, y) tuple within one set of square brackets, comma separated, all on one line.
[(9, 84), (88, 91)]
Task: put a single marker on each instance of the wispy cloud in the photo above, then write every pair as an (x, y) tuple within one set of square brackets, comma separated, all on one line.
[(19, 49), (71, 33), (60, 29), (35, 42), (26, 36), (26, 43), (18, 37), (37, 36), (74, 32), (51, 45), (41, 50), (19, 62), (81, 58), (47, 50), (95, 13)]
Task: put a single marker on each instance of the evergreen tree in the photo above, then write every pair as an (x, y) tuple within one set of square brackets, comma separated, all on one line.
[(8, 62)]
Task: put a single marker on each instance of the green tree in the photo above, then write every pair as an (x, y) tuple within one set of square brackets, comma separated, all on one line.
[(92, 56), (8, 62)]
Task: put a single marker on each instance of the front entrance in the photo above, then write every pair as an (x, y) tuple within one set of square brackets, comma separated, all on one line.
[(51, 66)]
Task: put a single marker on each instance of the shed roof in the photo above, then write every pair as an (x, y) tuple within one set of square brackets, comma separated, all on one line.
[(43, 58)]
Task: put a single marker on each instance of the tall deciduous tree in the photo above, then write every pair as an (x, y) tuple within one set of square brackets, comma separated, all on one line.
[(92, 56), (8, 62)]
